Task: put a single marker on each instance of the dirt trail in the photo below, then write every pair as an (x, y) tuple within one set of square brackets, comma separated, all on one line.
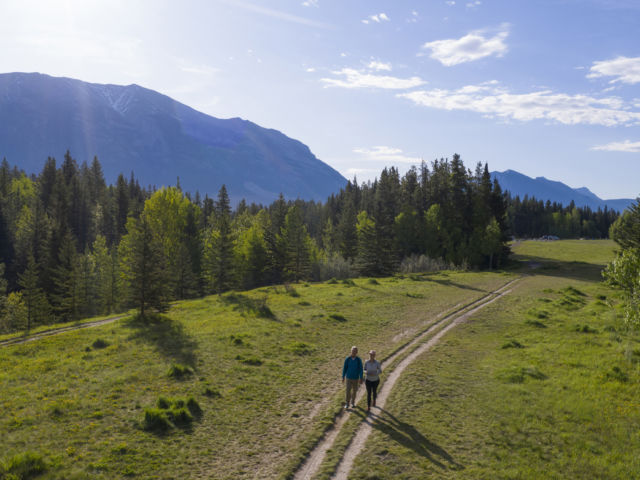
[(311, 466), (56, 331)]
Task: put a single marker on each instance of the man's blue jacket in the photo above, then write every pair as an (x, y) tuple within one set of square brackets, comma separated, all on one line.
[(352, 368)]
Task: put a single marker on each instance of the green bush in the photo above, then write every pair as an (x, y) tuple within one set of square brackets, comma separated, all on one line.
[(513, 344), (616, 373), (252, 360), (300, 348), (337, 317), (585, 329), (212, 392), (180, 371), (100, 343), (535, 323), (156, 420), (23, 466)]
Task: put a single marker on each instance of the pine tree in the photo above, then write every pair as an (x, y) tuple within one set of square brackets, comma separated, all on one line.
[(295, 243), (142, 267), (218, 247), (367, 261), (35, 302)]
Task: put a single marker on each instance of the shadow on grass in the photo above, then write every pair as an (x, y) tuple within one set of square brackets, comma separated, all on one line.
[(590, 272), (244, 304), (409, 437), (166, 335)]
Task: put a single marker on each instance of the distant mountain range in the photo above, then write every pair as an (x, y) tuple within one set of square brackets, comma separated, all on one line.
[(131, 128), (543, 189)]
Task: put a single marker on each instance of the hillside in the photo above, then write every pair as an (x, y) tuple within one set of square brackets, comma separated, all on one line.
[(131, 128), (541, 376), (543, 189)]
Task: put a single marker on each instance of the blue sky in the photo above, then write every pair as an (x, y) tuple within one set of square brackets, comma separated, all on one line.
[(547, 88)]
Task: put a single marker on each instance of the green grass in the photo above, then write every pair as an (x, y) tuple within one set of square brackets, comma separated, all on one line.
[(262, 361), (479, 407)]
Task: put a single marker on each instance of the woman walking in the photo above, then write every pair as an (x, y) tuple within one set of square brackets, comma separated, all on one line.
[(372, 370)]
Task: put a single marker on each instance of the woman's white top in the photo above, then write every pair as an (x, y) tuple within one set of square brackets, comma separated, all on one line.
[(372, 369)]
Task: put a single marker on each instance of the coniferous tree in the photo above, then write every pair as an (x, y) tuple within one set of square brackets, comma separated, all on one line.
[(295, 243), (367, 260), (35, 302), (142, 267)]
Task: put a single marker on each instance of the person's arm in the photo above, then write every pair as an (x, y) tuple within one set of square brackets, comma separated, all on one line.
[(344, 368), (379, 368), (360, 369)]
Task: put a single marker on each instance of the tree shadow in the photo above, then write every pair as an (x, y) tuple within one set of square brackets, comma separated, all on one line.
[(245, 304), (591, 272), (166, 335), (409, 437)]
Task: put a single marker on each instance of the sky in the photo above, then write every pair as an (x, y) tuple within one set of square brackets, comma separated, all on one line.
[(546, 88)]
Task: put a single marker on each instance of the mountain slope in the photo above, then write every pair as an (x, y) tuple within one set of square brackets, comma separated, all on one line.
[(134, 128), (544, 189)]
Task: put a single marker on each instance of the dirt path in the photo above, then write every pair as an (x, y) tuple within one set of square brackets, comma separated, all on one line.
[(56, 331), (311, 466)]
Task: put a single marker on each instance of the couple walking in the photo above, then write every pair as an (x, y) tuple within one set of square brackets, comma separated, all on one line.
[(352, 371)]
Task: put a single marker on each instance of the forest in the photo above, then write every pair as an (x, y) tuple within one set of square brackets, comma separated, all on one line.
[(72, 246)]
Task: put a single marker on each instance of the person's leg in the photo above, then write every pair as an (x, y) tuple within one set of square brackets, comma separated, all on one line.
[(369, 385), (354, 390), (374, 388), (348, 391)]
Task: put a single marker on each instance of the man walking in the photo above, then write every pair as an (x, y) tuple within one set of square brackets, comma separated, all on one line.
[(352, 370)]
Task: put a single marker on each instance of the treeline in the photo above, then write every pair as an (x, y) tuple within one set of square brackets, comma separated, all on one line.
[(72, 246), (532, 218)]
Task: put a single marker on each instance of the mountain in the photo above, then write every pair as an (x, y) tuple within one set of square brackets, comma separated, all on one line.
[(131, 128), (544, 189)]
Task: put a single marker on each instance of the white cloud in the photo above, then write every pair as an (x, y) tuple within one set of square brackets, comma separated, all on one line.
[(310, 3), (343, 54), (387, 155), (378, 18), (451, 3), (624, 69), (310, 70), (494, 101), (475, 4), (374, 65), (357, 79), (625, 146), (472, 46)]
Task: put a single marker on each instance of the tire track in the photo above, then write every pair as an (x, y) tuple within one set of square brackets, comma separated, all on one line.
[(56, 331), (313, 463)]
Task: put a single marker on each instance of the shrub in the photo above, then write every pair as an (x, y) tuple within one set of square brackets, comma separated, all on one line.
[(348, 282), (337, 317), (291, 291), (156, 420), (585, 329), (304, 304), (300, 348), (332, 268), (513, 344), (23, 466), (212, 392), (180, 416), (193, 406), (180, 371), (332, 281), (100, 343), (373, 281), (163, 403), (253, 360), (617, 374), (422, 263), (535, 323)]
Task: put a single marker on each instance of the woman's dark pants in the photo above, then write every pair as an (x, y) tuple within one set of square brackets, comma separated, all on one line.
[(372, 388)]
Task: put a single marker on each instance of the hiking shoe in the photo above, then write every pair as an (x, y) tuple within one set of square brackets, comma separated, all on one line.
[(353, 405), (346, 406)]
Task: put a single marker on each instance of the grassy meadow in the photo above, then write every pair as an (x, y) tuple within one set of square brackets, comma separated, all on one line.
[(237, 386), (543, 384)]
